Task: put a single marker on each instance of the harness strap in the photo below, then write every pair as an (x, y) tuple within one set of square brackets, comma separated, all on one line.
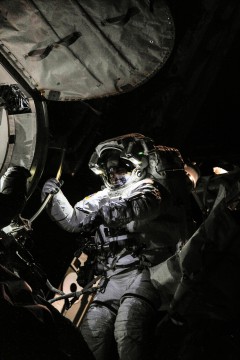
[(116, 258)]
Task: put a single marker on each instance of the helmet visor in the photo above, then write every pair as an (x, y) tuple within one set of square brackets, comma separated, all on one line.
[(116, 169)]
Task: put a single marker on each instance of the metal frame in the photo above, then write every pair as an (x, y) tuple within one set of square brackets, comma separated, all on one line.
[(41, 149)]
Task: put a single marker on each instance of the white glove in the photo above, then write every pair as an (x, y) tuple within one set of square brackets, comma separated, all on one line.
[(51, 186)]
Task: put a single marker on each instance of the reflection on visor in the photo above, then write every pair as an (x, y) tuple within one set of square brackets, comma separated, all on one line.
[(118, 176), (116, 169)]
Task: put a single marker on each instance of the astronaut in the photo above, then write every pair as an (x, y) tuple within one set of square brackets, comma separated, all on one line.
[(139, 218)]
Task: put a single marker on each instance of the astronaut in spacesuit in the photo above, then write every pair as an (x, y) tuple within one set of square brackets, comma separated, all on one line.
[(138, 218)]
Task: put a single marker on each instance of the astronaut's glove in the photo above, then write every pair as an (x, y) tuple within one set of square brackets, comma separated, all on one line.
[(51, 186), (91, 222), (116, 214)]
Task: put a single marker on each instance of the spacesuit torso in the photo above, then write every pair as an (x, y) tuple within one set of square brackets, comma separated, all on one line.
[(140, 222)]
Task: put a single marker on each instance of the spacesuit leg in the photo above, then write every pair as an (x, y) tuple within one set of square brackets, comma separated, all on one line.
[(97, 330), (134, 329)]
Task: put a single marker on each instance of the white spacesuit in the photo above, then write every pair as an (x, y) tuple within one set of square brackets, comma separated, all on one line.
[(139, 218)]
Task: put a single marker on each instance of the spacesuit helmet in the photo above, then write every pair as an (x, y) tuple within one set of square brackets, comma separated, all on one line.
[(123, 160)]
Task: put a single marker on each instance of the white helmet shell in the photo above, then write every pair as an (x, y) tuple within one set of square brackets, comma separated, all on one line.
[(133, 149)]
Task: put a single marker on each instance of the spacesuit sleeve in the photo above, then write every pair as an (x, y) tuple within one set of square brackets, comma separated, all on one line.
[(142, 203), (68, 217)]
